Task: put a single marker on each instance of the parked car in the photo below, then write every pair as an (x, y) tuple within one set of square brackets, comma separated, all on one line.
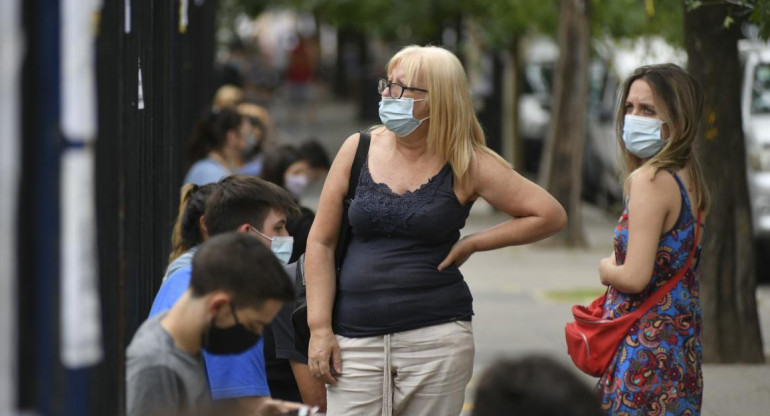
[(755, 112), (612, 63)]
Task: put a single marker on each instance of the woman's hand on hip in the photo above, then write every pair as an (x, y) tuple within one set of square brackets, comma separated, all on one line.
[(459, 253), (324, 358)]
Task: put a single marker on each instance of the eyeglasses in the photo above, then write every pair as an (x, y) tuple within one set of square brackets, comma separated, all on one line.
[(396, 89)]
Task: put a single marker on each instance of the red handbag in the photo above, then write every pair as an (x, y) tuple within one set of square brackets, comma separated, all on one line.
[(592, 340)]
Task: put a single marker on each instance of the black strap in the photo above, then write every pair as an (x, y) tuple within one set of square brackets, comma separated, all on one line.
[(355, 171)]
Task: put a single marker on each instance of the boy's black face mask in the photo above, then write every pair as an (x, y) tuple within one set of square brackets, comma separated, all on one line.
[(227, 341)]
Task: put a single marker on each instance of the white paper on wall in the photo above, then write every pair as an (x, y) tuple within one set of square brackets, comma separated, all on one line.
[(127, 16), (80, 316), (78, 80), (140, 93)]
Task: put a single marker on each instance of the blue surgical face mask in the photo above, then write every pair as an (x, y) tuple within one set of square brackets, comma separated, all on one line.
[(642, 135), (397, 114), (282, 247)]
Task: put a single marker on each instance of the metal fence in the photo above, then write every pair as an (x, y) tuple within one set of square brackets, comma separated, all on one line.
[(140, 153)]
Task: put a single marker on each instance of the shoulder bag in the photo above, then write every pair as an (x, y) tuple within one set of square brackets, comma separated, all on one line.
[(593, 341), (299, 313)]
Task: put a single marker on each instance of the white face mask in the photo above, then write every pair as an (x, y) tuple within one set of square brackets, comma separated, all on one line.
[(296, 185), (642, 135), (282, 247), (397, 114)]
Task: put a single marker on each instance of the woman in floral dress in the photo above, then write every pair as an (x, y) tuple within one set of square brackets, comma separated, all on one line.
[(657, 368)]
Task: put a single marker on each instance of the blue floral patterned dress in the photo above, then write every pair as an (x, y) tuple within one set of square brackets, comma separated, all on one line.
[(657, 368)]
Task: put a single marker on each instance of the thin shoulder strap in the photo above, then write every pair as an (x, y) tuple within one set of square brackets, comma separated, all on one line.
[(355, 171)]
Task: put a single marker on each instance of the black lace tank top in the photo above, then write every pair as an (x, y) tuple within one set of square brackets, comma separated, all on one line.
[(389, 280)]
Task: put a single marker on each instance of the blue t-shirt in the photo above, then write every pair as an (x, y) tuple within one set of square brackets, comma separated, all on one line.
[(230, 376), (205, 171)]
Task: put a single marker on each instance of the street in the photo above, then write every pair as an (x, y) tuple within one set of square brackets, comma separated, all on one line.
[(523, 295)]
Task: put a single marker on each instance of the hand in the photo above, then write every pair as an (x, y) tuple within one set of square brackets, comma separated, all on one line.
[(324, 358), (604, 265), (459, 253), (272, 407)]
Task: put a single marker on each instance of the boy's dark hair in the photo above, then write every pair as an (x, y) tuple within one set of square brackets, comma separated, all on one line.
[(315, 154), (244, 199), (277, 162), (533, 386), (239, 264)]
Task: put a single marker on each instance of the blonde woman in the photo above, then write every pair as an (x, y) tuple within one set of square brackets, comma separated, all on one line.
[(657, 368), (393, 334)]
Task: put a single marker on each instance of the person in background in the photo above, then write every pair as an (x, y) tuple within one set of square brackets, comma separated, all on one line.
[(259, 137), (300, 79), (288, 168), (657, 367), (227, 96), (187, 232), (216, 147), (287, 371), (236, 288), (391, 333), (248, 205), (533, 386), (317, 157)]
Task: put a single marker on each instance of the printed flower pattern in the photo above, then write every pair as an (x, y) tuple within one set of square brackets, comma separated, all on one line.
[(657, 368)]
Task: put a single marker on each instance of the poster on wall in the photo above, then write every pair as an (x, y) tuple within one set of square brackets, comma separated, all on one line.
[(80, 307)]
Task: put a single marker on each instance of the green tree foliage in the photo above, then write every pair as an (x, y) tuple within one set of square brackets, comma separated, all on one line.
[(504, 22), (626, 19), (390, 19), (756, 12)]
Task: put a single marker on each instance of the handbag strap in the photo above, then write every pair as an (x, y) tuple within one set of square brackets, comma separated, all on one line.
[(355, 171), (658, 295)]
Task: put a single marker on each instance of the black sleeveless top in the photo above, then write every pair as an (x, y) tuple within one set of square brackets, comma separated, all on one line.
[(389, 280)]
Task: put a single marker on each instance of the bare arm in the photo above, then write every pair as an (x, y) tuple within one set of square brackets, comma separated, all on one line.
[(265, 406), (313, 390), (319, 265), (536, 214), (651, 203)]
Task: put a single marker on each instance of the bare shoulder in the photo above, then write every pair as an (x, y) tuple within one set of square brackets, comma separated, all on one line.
[(487, 173), (348, 149), (484, 163), (660, 188)]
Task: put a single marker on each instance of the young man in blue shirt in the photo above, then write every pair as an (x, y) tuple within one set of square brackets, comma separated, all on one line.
[(247, 205), (224, 310)]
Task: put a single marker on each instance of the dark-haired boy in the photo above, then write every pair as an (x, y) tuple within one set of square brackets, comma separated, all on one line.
[(247, 205), (236, 288)]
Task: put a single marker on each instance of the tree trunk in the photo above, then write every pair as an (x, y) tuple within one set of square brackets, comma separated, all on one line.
[(562, 162), (727, 276), (511, 90), (513, 151)]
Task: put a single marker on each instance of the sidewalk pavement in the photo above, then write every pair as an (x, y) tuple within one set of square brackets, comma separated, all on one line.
[(523, 295), (523, 298)]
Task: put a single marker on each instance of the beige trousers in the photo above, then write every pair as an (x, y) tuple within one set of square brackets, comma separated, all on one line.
[(419, 372)]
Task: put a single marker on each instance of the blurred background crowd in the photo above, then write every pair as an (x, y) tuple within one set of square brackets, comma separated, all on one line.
[(104, 108)]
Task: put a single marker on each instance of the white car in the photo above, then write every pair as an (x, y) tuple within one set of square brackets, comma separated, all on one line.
[(755, 112)]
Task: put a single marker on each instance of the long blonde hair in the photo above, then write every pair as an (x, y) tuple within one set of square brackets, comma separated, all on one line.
[(679, 99), (454, 133)]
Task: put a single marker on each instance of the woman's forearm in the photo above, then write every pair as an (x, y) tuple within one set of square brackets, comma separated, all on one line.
[(321, 285)]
